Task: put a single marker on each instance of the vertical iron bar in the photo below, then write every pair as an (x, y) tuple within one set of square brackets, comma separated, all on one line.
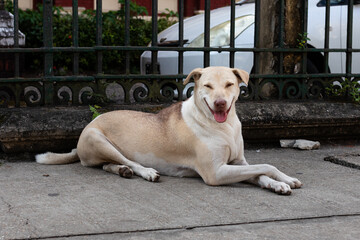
[(304, 54), (17, 92), (127, 35), (154, 42), (281, 35), (75, 36), (16, 37), (181, 43), (256, 36), (327, 36), (349, 37), (304, 31), (256, 45), (127, 42), (207, 33), (232, 33), (48, 56), (181, 36), (99, 35)]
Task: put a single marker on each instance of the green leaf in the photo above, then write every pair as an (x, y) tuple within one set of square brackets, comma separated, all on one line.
[(93, 109)]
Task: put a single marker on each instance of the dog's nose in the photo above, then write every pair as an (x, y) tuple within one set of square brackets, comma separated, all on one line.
[(220, 103)]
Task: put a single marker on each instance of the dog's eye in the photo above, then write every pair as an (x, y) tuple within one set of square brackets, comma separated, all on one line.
[(208, 86), (229, 85)]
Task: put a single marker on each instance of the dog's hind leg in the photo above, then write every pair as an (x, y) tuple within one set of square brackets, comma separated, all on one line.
[(98, 149), (121, 170)]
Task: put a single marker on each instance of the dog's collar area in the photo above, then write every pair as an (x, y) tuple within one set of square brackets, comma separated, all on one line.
[(220, 116)]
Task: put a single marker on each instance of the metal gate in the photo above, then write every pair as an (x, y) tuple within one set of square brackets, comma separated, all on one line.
[(76, 89)]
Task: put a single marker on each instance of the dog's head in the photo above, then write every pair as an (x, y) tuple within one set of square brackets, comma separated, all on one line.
[(217, 89)]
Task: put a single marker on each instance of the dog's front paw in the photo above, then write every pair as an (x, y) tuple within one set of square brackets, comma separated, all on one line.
[(294, 182), (150, 174), (280, 188)]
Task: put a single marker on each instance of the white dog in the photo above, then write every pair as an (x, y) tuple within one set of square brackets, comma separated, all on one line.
[(198, 137)]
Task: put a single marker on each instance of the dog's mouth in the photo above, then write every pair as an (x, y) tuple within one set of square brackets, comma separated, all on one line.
[(219, 115)]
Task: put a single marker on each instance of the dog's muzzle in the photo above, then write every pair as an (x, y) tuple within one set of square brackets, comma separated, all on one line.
[(219, 112)]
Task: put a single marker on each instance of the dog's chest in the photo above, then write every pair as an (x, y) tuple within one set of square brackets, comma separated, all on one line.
[(225, 145), (229, 150)]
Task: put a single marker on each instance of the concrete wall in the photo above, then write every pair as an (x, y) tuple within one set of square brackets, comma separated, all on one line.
[(57, 129), (170, 4), (109, 5), (25, 4)]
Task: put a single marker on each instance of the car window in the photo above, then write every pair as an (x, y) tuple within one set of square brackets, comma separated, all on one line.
[(322, 3), (220, 34)]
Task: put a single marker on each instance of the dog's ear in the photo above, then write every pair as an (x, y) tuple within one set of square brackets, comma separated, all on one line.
[(195, 74), (242, 75)]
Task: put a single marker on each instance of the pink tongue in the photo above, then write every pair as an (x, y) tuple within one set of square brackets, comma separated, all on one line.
[(220, 117)]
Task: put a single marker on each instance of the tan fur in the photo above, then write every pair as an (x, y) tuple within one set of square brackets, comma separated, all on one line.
[(198, 137)]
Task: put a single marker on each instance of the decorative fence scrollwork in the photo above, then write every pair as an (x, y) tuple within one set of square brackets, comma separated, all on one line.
[(160, 91), (64, 95), (139, 92), (32, 96), (316, 88)]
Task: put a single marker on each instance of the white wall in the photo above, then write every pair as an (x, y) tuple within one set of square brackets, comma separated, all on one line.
[(170, 4), (25, 4), (109, 5)]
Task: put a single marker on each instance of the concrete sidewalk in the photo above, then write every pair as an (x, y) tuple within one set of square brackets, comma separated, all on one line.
[(74, 202)]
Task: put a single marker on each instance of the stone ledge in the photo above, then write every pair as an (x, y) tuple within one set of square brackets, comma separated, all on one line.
[(58, 128), (310, 120)]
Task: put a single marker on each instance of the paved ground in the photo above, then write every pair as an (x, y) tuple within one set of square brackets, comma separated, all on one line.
[(74, 202)]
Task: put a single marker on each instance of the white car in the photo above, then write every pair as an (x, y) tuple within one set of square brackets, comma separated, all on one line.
[(244, 38)]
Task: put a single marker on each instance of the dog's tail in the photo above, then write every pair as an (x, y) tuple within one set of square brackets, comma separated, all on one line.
[(57, 158)]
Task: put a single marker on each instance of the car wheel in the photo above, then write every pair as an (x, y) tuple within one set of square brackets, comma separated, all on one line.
[(311, 67), (316, 86)]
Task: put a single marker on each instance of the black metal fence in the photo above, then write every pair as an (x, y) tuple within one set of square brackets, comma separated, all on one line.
[(51, 89)]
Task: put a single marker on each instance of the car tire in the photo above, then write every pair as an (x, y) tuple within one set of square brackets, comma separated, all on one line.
[(311, 67)]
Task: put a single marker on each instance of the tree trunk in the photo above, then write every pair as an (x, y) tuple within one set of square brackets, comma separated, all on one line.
[(269, 37), (292, 33), (268, 34)]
